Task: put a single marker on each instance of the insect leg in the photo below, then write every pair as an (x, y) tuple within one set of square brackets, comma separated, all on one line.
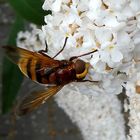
[(62, 47), (75, 57), (44, 51)]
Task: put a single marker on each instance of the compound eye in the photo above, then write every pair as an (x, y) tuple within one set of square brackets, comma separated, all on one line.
[(80, 66)]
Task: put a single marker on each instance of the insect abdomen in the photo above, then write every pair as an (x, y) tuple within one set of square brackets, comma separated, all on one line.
[(34, 70), (28, 66)]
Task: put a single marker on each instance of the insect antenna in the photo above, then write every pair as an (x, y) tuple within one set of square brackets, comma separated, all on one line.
[(75, 57), (62, 47)]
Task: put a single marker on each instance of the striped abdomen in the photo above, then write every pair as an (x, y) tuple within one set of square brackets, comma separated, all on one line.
[(47, 75)]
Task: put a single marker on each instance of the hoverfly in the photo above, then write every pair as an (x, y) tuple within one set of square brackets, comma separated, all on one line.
[(45, 70)]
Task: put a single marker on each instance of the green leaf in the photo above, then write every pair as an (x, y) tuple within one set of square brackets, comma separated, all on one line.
[(31, 10), (11, 76)]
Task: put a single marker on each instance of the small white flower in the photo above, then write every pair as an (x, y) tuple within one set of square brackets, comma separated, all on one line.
[(53, 5), (110, 52)]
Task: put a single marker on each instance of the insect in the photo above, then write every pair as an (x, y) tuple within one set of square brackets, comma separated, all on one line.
[(45, 70)]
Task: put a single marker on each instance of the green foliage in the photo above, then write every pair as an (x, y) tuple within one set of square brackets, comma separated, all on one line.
[(31, 10), (12, 77)]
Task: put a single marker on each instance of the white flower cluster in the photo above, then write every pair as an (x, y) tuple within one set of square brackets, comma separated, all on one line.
[(32, 40), (110, 26)]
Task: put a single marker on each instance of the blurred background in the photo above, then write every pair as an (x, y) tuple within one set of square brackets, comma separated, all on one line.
[(49, 121)]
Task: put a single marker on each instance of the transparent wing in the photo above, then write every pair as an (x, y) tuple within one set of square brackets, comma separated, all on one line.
[(35, 99), (22, 56), (16, 54)]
